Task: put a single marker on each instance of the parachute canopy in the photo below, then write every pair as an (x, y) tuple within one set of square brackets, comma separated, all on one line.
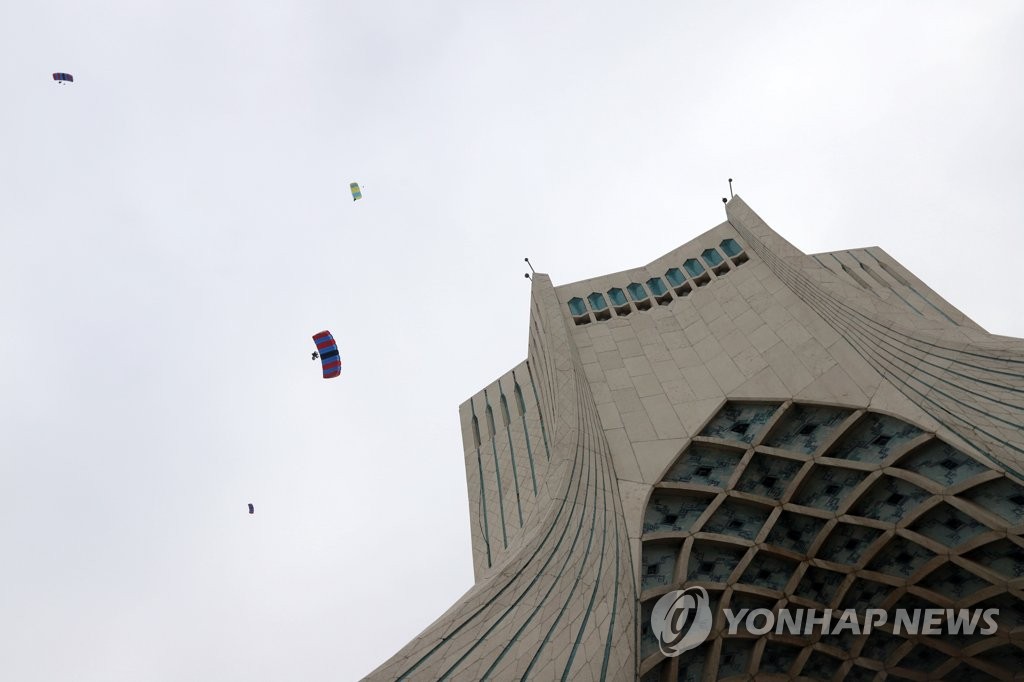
[(356, 194), (329, 356), (252, 509), (63, 77)]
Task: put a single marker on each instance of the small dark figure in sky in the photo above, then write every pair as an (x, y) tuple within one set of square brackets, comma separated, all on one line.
[(315, 355), (252, 509)]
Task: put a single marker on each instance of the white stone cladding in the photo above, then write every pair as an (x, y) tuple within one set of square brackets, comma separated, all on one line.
[(558, 492)]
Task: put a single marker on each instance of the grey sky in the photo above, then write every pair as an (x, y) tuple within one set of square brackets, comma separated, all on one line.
[(176, 224)]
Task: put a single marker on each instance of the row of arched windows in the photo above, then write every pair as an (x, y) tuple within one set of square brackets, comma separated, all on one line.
[(505, 418), (696, 275)]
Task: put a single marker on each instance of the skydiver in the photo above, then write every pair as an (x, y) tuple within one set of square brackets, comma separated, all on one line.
[(315, 355)]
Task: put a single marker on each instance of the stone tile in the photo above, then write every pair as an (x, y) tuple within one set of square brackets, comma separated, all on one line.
[(663, 417), (655, 456), (763, 338), (638, 427), (701, 382), (630, 348), (637, 366), (609, 415), (627, 400), (647, 385), (618, 378), (626, 466)]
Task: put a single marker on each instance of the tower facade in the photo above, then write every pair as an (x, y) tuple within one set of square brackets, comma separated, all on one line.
[(787, 432)]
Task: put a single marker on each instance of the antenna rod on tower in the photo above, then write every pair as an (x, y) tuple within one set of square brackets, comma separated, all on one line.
[(731, 195), (531, 266), (527, 276)]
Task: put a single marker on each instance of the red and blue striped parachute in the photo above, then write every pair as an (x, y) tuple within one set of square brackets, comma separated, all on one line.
[(59, 77), (329, 356)]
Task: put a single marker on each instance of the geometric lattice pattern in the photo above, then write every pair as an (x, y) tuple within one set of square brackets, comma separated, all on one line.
[(822, 506)]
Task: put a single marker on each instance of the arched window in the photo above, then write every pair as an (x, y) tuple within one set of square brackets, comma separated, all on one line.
[(476, 431), (597, 301), (504, 410), (520, 403), (490, 421)]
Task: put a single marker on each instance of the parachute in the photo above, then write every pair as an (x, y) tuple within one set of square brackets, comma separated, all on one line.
[(61, 77), (356, 194), (329, 356), (252, 509)]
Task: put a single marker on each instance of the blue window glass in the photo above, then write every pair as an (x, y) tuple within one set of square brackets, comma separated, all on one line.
[(730, 247), (675, 276), (576, 306), (617, 296), (490, 422), (597, 301), (657, 286), (637, 291), (504, 410), (711, 257), (520, 403), (693, 267)]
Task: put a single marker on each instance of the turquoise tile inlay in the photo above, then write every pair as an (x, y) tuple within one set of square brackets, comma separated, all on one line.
[(1008, 656), (865, 594), (942, 463), (819, 585), (951, 581), (948, 525), (778, 657), (648, 641), (880, 645), (826, 487), (890, 499), (923, 659), (703, 464), (1011, 609), (693, 662), (735, 657), (837, 581), (968, 673), (795, 532), (1002, 556), (768, 476), (847, 543), (713, 562), (900, 557), (673, 512), (740, 422), (658, 563), (820, 666), (875, 438), (751, 602), (768, 570), (859, 674), (805, 427), (741, 519), (1000, 496)]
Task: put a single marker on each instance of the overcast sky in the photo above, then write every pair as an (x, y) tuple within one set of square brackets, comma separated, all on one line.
[(176, 225)]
